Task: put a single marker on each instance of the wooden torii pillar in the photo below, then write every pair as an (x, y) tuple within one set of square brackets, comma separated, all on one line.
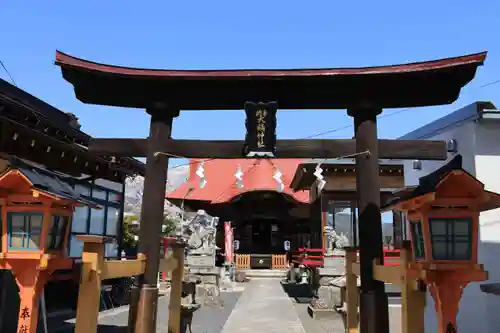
[(373, 302), (153, 203)]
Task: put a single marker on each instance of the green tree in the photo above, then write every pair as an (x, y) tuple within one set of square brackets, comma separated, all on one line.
[(169, 225), (128, 232)]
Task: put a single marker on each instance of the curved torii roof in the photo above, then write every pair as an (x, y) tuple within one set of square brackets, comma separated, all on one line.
[(221, 183), (416, 84)]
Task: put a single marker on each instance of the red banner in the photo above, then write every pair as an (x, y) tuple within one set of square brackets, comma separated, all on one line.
[(228, 241)]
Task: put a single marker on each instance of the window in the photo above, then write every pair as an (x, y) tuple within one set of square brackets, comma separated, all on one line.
[(114, 197), (112, 218), (103, 221), (57, 231), (82, 189), (25, 230), (111, 249), (99, 194), (75, 247), (80, 219), (418, 240), (340, 217), (96, 221), (451, 238)]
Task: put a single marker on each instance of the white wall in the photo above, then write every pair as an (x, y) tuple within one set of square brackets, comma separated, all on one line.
[(479, 145), (465, 138), (487, 171)]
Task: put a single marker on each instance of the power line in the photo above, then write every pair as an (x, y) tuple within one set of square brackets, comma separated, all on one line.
[(8, 73), (490, 84), (332, 130), (387, 114)]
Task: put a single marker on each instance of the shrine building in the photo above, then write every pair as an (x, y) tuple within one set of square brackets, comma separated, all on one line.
[(265, 214)]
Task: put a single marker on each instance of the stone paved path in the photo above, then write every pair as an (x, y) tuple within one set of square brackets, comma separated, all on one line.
[(264, 307)]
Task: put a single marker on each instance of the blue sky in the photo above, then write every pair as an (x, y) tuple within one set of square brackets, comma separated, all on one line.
[(244, 34)]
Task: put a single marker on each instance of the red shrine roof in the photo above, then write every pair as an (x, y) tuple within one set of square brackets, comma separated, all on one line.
[(416, 84), (221, 183)]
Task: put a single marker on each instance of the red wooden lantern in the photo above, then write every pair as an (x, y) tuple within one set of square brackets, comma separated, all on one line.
[(443, 213)]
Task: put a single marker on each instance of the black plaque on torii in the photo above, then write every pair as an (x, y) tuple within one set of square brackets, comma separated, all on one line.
[(260, 138)]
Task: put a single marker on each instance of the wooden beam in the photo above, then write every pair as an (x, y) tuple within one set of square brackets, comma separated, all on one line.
[(355, 268), (314, 148), (174, 309), (388, 274), (352, 293), (122, 268), (412, 299), (90, 283), (347, 182), (61, 155), (168, 264)]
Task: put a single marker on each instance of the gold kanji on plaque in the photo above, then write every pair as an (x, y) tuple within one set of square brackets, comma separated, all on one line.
[(261, 127)]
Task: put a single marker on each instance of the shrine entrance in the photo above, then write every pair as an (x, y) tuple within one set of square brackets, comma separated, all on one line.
[(262, 215), (264, 236), (364, 92), (264, 224)]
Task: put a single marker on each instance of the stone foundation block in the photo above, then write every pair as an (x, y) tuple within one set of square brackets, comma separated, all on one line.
[(329, 297)]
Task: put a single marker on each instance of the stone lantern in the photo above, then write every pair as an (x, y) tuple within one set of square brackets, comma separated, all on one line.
[(443, 216)]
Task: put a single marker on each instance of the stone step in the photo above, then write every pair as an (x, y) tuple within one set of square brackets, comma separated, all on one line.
[(264, 273)]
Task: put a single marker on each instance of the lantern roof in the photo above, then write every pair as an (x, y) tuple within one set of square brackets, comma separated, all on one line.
[(442, 183), (44, 181)]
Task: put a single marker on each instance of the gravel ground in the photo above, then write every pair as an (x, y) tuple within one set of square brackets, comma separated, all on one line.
[(212, 317), (335, 324), (301, 295), (326, 325), (208, 319)]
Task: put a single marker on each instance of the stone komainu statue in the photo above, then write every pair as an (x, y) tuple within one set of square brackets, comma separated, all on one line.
[(200, 233)]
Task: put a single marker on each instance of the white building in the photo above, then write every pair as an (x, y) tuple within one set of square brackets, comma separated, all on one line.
[(473, 132)]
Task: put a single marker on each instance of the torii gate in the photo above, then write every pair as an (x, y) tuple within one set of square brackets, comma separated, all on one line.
[(364, 92)]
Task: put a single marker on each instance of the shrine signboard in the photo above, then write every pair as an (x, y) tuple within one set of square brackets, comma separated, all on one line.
[(260, 139)]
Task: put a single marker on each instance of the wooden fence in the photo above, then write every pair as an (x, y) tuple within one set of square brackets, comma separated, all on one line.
[(96, 268), (242, 261), (279, 261)]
